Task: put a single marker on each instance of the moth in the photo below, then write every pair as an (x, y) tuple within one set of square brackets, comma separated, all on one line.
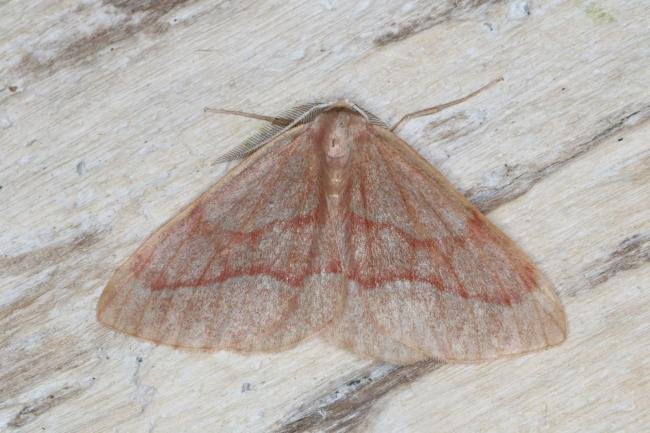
[(333, 226)]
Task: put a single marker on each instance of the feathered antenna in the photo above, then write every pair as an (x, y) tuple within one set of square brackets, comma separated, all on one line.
[(276, 126)]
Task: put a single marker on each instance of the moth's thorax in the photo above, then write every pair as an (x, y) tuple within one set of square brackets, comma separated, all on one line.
[(336, 132)]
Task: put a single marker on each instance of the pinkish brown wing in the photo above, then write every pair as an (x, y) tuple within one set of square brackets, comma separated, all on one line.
[(432, 272), (356, 330), (247, 266)]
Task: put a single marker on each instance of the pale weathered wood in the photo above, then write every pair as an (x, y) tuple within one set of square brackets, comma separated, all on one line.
[(103, 137)]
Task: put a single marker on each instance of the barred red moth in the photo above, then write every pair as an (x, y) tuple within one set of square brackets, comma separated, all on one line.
[(334, 227)]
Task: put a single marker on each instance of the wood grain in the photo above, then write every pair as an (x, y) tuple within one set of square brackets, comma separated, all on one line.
[(103, 138)]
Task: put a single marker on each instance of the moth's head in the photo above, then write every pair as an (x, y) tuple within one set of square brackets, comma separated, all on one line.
[(340, 114), (335, 125), (345, 105)]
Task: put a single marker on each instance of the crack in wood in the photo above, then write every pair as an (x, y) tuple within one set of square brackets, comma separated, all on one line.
[(34, 271), (452, 127), (348, 404), (451, 10), (144, 394), (50, 255), (489, 198), (631, 253), (24, 367), (137, 16), (39, 406)]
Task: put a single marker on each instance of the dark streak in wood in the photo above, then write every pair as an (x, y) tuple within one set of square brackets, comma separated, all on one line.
[(632, 253), (140, 16), (46, 256), (438, 15), (451, 128), (23, 367), (156, 7), (34, 409), (490, 198), (347, 404)]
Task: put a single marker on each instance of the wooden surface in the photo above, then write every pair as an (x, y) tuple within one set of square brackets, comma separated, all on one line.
[(103, 138)]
